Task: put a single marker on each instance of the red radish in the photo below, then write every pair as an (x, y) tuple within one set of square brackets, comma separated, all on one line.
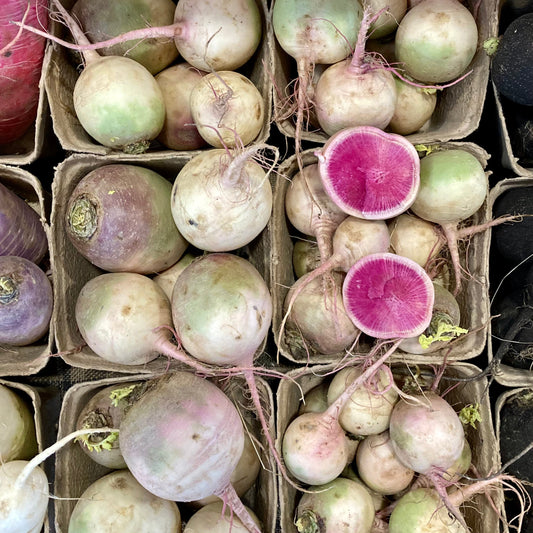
[(222, 200), (21, 229), (388, 296), (117, 500), (317, 321), (176, 83), (314, 32), (356, 91), (341, 506), (26, 301), (119, 218), (378, 466), (101, 20), (227, 108), (436, 40), (369, 173), (182, 440), (310, 210), (21, 59)]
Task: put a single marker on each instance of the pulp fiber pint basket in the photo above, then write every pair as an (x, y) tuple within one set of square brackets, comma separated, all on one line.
[(473, 298), (31, 398), (458, 109), (63, 74), (26, 360), (75, 470), (479, 513), (73, 270), (504, 373)]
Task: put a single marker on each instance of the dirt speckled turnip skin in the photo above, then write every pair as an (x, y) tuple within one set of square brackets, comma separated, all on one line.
[(183, 438), (26, 301)]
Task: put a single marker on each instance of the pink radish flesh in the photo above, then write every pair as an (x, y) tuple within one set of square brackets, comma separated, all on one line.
[(369, 173), (388, 296)]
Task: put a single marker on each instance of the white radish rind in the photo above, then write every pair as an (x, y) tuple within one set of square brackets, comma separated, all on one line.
[(369, 173), (388, 296), (427, 435)]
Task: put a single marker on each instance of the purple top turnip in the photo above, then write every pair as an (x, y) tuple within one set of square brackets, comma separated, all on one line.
[(21, 229), (26, 301), (119, 218)]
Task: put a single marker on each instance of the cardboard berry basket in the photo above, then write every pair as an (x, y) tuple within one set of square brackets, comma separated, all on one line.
[(75, 470), (73, 270), (472, 299), (459, 107), (30, 359), (479, 513), (63, 73)]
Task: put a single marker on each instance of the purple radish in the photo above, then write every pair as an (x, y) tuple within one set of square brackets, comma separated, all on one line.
[(101, 19), (317, 322), (21, 229), (314, 32), (369, 173), (357, 91), (310, 210), (388, 296), (26, 301), (182, 439), (443, 328), (340, 506), (119, 218), (222, 200), (176, 83)]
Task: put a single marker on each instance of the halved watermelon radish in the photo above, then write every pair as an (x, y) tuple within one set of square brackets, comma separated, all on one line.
[(388, 296), (369, 173)]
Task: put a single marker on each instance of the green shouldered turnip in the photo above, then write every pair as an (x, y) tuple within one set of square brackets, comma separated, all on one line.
[(119, 218), (305, 257)]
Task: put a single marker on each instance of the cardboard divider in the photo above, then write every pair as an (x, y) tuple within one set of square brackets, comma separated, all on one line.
[(504, 373), (73, 270), (459, 107), (479, 513), (30, 359), (473, 298), (63, 75), (75, 470), (31, 397)]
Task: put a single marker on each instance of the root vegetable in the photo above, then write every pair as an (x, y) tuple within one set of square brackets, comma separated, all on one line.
[(305, 257), (26, 301), (119, 218), (167, 278), (215, 518)]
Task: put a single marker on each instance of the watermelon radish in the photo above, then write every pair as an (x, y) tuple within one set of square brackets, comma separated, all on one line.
[(388, 296), (369, 173)]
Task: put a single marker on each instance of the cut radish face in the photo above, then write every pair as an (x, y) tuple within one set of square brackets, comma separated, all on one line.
[(388, 296), (369, 173)]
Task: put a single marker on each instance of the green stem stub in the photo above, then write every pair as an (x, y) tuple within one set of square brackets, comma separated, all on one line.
[(470, 414), (83, 218), (491, 45), (308, 522), (8, 290), (440, 329), (119, 394), (97, 441), (136, 148)]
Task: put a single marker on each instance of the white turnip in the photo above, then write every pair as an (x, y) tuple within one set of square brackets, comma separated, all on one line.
[(227, 108), (222, 200), (167, 278), (117, 500), (216, 518), (436, 40)]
